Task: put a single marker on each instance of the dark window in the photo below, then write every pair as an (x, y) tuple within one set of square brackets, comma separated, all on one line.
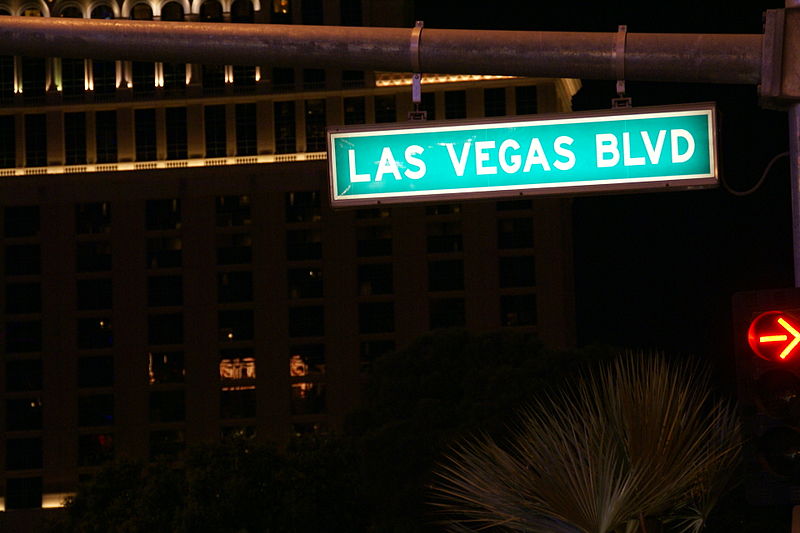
[(144, 78), (145, 133), (96, 410), (22, 259), (6, 78), (373, 212), (235, 286), (73, 77), (352, 79), (375, 279), (354, 110), (23, 298), (282, 79), (303, 244), (305, 282), (33, 78), (24, 375), (517, 271), (165, 328), (444, 237), (167, 406), (163, 214), (234, 248), (242, 12), (21, 221), (515, 233), (385, 108), (315, 126), (177, 144), (106, 136), (23, 414), (285, 136), (446, 312), (376, 317), (442, 209), (235, 325), (237, 403), (306, 359), (93, 256), (213, 77), (103, 12), (307, 321), (164, 291), (312, 12), (165, 367), (164, 252), (167, 443), (211, 11), (95, 333), (233, 211), (281, 12), (95, 449), (24, 454), (23, 493), (308, 398), (75, 138), (373, 241), (94, 294), (372, 349), (246, 131), (351, 13), (8, 140), (428, 104), (244, 76), (215, 126), (93, 218), (96, 371), (174, 73), (23, 336), (494, 102), (455, 104), (313, 79), (447, 275), (35, 140), (526, 100), (104, 77), (513, 205), (303, 206), (141, 11), (518, 310)]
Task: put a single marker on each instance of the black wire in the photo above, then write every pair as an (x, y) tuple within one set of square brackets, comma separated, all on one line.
[(760, 181)]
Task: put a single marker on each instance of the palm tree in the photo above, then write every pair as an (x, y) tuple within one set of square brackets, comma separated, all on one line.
[(639, 445)]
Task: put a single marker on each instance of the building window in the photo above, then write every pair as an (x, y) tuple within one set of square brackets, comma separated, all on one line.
[(494, 102), (235, 286), (518, 310), (177, 144), (73, 77), (22, 259), (444, 237), (174, 73), (23, 298), (305, 282), (375, 317), (234, 249), (235, 404), (33, 78), (242, 12), (24, 375), (215, 126), (455, 104), (315, 126), (104, 78), (6, 79), (94, 294), (304, 206), (306, 360), (95, 449), (281, 12), (514, 205), (23, 414), (285, 137), (354, 110), (308, 398), (312, 12), (385, 108), (374, 241), (307, 321), (246, 131), (375, 279), (428, 104), (442, 209), (526, 100), (21, 221), (164, 252), (303, 244), (352, 79), (164, 291), (233, 211), (96, 371), (237, 369), (163, 214), (165, 328), (517, 271), (93, 218), (167, 406), (24, 454), (282, 79), (144, 77), (446, 313), (23, 493), (313, 79), (145, 134), (95, 333), (35, 140), (515, 233), (106, 136), (93, 256), (23, 336), (75, 138), (446, 275), (235, 325), (165, 367), (166, 443), (351, 13), (372, 349), (213, 75), (8, 141)]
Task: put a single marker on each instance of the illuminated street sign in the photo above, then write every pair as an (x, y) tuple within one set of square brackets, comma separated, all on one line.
[(630, 149), (775, 336)]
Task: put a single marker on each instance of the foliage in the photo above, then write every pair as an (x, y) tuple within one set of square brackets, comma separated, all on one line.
[(639, 442)]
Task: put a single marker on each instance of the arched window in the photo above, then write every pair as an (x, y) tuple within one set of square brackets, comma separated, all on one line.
[(242, 11), (104, 73), (142, 11), (71, 12), (174, 73), (73, 70), (213, 75), (143, 73)]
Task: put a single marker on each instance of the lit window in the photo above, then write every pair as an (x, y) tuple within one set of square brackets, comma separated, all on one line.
[(165, 367), (306, 359)]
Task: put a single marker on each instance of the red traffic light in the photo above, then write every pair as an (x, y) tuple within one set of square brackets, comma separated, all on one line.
[(775, 336)]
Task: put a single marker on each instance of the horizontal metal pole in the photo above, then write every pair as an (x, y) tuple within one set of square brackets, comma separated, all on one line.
[(702, 58)]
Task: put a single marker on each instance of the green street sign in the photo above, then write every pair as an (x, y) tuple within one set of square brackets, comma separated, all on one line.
[(612, 150)]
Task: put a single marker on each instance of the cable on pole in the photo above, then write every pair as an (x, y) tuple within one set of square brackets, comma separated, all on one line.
[(760, 181)]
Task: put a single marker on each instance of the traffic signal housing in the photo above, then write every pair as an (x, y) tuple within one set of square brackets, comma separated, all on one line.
[(767, 344)]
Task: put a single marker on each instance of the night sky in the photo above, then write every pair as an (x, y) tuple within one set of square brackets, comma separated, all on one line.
[(658, 270)]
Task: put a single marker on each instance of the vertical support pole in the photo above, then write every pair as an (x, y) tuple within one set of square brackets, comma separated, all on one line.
[(794, 164)]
